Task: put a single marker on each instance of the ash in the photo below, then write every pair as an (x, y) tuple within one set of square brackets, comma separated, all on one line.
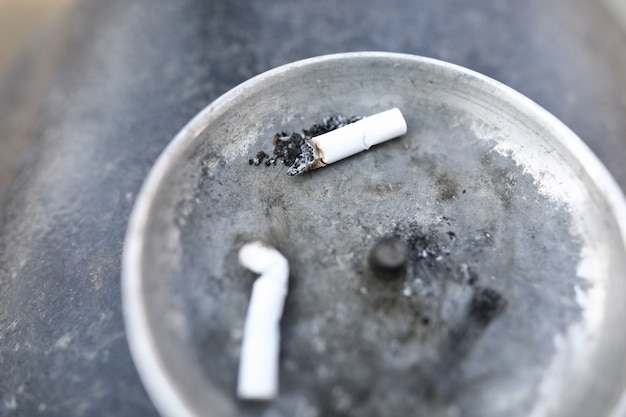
[(305, 161), (288, 147)]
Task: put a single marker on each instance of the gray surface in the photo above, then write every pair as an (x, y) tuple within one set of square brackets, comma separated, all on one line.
[(97, 101)]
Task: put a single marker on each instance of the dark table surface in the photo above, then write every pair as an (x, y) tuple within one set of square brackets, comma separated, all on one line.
[(88, 109)]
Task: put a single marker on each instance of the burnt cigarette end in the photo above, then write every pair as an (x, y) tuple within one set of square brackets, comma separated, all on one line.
[(388, 257), (308, 159)]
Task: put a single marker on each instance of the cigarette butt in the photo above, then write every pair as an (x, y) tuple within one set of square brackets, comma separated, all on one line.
[(360, 136), (349, 140), (258, 362)]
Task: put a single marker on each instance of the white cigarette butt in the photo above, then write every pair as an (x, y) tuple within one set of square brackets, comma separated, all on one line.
[(349, 140), (258, 363)]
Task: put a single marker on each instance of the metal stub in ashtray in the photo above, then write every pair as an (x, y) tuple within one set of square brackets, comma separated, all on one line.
[(473, 266), (388, 257)]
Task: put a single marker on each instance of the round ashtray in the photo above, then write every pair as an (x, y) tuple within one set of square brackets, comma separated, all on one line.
[(511, 302)]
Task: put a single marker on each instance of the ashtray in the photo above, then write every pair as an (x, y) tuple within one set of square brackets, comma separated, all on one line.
[(512, 299)]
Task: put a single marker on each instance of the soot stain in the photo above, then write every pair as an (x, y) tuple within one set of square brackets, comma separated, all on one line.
[(486, 305), (432, 267), (447, 187)]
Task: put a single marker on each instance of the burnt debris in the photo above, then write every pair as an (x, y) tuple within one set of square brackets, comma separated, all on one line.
[(288, 147), (451, 307), (258, 159), (306, 161)]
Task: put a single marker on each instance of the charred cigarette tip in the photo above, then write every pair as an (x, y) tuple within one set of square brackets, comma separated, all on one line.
[(349, 140), (308, 160)]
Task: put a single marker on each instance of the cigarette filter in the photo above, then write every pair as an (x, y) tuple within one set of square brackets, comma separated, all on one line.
[(258, 362)]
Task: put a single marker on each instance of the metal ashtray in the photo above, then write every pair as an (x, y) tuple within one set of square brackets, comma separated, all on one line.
[(512, 299)]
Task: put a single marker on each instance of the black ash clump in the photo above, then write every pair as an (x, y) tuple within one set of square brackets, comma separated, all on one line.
[(288, 146), (329, 124), (258, 159)]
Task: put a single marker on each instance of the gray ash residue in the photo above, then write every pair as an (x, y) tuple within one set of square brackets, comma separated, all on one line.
[(445, 296), (430, 251), (288, 146)]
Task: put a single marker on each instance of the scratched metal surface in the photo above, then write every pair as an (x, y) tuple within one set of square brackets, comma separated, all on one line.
[(89, 108)]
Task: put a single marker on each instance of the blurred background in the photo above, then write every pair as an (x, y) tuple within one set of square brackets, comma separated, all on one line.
[(25, 23), (91, 91), (20, 21)]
